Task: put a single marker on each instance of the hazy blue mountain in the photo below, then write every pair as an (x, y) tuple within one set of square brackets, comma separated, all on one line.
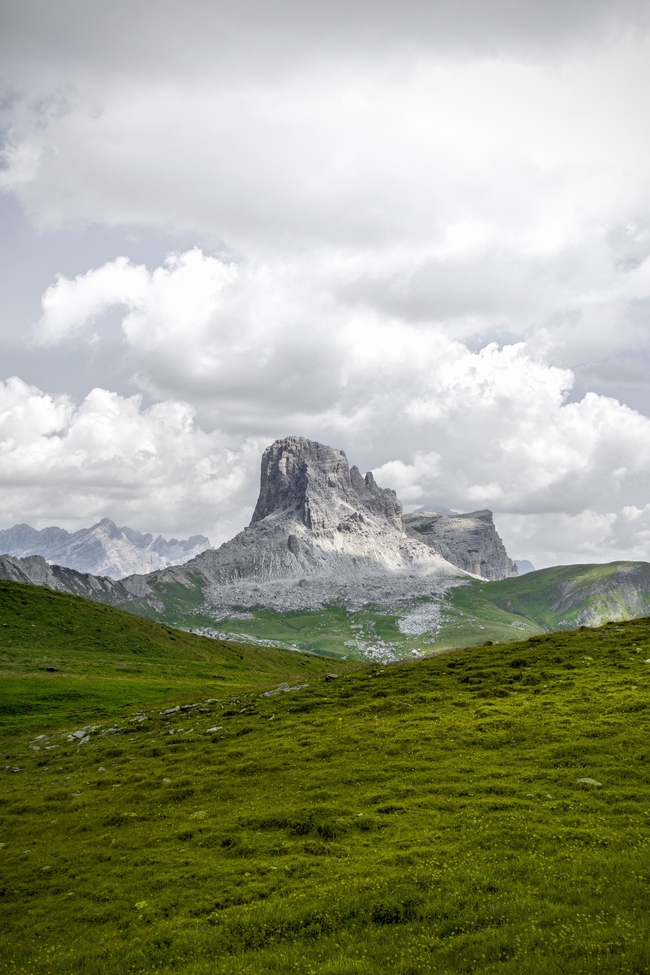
[(104, 549), (524, 566)]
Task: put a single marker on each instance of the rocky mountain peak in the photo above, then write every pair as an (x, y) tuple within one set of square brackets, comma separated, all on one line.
[(315, 482)]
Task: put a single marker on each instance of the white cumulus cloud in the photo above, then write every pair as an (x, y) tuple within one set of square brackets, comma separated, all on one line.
[(108, 457)]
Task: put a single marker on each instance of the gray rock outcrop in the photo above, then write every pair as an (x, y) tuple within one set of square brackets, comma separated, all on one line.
[(314, 482), (35, 570), (469, 541)]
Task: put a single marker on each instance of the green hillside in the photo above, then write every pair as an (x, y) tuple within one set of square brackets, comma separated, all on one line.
[(564, 597), (559, 598), (576, 595), (64, 657), (485, 810)]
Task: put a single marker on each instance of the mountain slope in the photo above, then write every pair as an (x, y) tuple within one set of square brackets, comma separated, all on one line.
[(103, 549), (576, 595)]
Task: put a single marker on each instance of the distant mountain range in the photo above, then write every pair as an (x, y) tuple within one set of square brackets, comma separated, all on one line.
[(104, 549)]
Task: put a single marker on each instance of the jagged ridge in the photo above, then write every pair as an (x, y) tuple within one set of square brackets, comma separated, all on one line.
[(103, 549), (469, 541)]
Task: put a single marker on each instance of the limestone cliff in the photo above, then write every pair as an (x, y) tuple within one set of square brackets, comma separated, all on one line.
[(314, 483), (469, 541)]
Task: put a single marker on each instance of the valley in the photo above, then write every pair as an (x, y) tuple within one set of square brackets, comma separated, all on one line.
[(472, 611)]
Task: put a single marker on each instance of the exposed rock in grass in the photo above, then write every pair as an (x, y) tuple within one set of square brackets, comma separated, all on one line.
[(284, 689)]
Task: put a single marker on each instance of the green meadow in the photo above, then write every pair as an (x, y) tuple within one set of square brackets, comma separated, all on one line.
[(482, 810), (64, 658), (558, 598)]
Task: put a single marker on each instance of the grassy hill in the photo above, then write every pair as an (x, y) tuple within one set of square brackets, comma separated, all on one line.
[(484, 810), (563, 597), (576, 595), (66, 658)]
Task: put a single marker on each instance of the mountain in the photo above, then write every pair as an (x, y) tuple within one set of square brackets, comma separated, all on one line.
[(103, 549), (320, 533), (524, 566), (469, 541), (328, 563)]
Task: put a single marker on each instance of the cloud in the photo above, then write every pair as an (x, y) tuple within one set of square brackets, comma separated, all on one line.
[(558, 538), (500, 198), (491, 428), (109, 457), (137, 36), (429, 230)]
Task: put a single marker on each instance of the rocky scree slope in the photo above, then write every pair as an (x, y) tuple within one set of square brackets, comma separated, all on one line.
[(103, 549)]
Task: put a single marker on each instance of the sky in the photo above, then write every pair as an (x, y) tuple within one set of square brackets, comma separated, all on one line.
[(416, 231)]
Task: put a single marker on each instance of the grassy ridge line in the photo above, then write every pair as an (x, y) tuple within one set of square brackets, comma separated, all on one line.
[(65, 658), (559, 598), (408, 819), (573, 595)]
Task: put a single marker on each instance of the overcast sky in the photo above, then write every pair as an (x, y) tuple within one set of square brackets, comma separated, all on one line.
[(418, 231)]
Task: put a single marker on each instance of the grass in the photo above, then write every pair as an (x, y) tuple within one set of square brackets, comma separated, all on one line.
[(372, 633), (64, 658), (421, 817), (566, 596)]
